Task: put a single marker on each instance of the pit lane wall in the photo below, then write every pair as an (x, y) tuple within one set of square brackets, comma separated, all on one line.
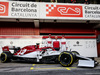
[(86, 46), (42, 10)]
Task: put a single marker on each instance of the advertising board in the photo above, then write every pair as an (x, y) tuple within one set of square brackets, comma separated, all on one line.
[(41, 10), (16, 9)]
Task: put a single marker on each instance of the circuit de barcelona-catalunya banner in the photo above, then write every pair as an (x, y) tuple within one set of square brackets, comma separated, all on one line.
[(37, 10)]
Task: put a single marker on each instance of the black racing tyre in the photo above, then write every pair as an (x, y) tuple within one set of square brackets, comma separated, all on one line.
[(66, 59), (75, 58), (5, 57)]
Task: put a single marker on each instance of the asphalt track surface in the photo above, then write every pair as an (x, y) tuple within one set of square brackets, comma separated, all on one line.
[(29, 68)]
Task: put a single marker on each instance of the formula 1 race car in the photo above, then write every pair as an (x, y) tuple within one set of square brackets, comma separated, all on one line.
[(43, 55)]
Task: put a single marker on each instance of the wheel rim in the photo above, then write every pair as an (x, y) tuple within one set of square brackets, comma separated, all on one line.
[(65, 59)]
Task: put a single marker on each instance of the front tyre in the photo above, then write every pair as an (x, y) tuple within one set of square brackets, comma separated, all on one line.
[(66, 58)]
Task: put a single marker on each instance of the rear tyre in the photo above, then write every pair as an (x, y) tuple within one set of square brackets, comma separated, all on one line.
[(66, 59), (5, 57)]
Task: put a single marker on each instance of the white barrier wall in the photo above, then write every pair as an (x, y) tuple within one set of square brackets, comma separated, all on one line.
[(85, 47)]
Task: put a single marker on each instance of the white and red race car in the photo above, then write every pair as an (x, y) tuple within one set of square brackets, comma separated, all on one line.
[(36, 54)]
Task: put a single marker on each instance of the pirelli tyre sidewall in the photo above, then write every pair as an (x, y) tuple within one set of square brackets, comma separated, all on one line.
[(66, 58), (5, 57)]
